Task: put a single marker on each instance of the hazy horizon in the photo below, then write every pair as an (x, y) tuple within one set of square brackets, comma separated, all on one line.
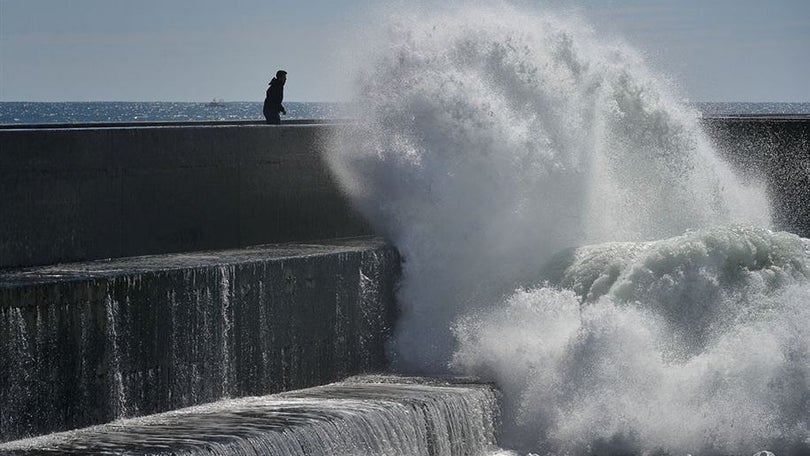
[(181, 51)]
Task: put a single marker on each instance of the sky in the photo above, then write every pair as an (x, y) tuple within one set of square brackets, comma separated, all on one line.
[(197, 50)]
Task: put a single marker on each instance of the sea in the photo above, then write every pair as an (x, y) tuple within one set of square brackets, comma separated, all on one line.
[(21, 112), (17, 112)]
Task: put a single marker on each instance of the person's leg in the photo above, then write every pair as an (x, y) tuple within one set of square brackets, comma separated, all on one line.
[(273, 118)]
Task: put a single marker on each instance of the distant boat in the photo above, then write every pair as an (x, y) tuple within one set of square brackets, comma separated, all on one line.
[(216, 103)]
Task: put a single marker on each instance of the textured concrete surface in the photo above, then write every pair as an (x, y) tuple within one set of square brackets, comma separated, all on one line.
[(76, 194), (87, 343)]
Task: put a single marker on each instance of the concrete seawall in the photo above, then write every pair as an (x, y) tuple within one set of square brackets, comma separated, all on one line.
[(92, 192), (87, 343), (76, 194)]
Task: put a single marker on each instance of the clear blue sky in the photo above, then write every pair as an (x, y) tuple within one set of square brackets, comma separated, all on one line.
[(195, 50)]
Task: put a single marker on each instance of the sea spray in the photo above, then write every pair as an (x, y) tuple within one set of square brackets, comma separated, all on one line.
[(695, 344), (493, 139)]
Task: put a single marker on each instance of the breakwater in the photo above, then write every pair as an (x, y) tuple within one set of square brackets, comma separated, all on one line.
[(88, 343), (107, 191)]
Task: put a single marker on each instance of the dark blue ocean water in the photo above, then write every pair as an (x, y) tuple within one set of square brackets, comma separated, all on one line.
[(74, 112)]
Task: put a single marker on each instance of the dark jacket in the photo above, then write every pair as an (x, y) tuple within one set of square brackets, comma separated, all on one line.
[(275, 95)]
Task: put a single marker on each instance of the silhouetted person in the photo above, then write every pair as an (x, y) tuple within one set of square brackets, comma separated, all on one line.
[(275, 95)]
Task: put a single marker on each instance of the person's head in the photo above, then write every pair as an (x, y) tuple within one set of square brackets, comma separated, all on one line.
[(281, 75)]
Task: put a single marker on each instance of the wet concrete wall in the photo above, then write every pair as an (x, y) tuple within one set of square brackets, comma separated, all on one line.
[(87, 343), (76, 194), (774, 149)]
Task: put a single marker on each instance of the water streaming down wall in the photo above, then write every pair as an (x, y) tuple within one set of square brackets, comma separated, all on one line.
[(87, 343), (365, 415)]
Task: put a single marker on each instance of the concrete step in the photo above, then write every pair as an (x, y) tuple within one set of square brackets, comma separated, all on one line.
[(368, 415), (88, 343)]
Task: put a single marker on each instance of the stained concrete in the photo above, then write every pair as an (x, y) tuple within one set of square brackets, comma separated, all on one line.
[(87, 343)]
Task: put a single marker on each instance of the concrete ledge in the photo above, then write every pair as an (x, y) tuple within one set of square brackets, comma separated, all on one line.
[(83, 344), (376, 415)]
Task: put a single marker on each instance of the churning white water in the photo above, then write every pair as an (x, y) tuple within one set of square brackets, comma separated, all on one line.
[(568, 231)]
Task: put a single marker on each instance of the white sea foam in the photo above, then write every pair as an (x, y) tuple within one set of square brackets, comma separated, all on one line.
[(695, 344), (491, 140)]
